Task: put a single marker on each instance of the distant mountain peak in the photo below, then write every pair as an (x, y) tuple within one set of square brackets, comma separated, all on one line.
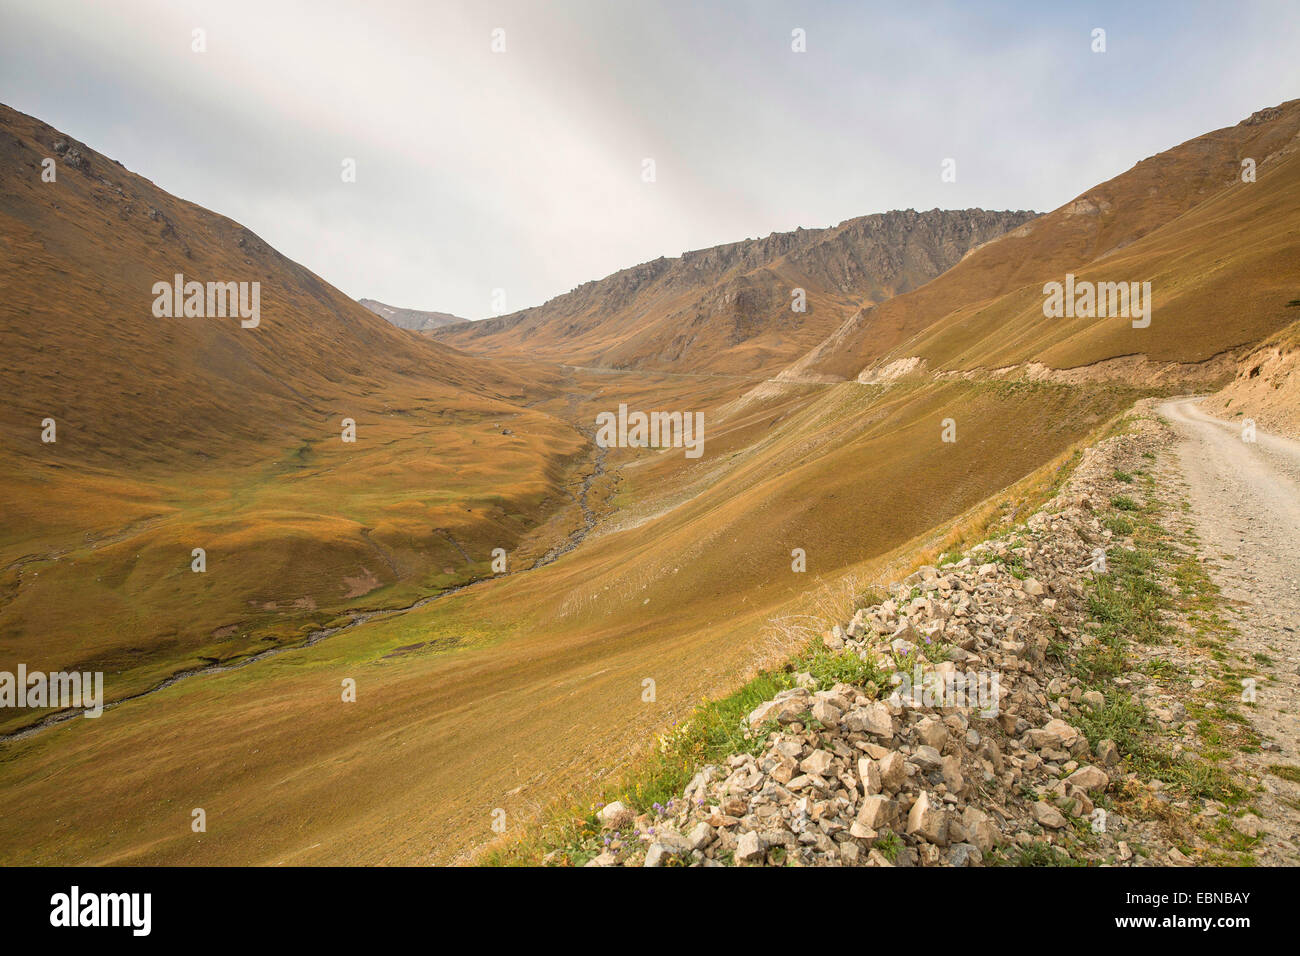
[(749, 306), (412, 319)]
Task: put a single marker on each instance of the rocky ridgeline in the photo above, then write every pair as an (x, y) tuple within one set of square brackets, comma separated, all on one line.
[(909, 773)]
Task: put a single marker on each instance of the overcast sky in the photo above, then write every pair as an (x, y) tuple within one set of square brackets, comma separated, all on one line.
[(522, 170)]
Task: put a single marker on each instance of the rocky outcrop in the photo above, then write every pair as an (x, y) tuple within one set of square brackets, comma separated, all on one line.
[(679, 312)]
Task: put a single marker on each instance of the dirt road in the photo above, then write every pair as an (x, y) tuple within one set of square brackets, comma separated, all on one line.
[(1245, 499)]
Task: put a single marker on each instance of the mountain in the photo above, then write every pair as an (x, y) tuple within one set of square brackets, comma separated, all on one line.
[(411, 319), (1184, 220), (481, 691), (87, 250), (731, 308), (133, 438)]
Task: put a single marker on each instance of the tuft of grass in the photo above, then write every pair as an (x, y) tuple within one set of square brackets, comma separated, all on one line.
[(1038, 853), (828, 667), (1119, 720), (1118, 524), (889, 845), (868, 598), (1285, 772)]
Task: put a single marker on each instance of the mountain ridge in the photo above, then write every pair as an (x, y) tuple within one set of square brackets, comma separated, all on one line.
[(413, 320), (731, 307)]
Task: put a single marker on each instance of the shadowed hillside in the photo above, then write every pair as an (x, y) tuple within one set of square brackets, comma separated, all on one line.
[(86, 252)]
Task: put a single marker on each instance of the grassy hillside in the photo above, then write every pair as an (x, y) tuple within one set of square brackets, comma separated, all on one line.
[(521, 687), (1182, 220), (731, 309), (626, 565), (181, 433)]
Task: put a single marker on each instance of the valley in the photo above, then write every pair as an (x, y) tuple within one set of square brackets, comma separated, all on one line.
[(923, 399)]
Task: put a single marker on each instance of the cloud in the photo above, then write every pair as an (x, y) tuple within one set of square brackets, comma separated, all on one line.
[(522, 170)]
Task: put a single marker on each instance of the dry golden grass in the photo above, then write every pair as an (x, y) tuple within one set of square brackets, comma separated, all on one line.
[(523, 687), (175, 434), (516, 688), (1212, 246)]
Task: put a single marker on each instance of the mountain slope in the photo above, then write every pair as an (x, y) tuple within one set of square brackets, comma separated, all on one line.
[(175, 434), (87, 251), (1183, 220), (412, 320), (728, 309), (525, 685)]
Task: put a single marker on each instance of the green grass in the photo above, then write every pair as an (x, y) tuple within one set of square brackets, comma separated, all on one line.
[(829, 668), (1118, 524), (715, 731), (1285, 772), (1119, 720), (1127, 603), (889, 845), (1035, 854)]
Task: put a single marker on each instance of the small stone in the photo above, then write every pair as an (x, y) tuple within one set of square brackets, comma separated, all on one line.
[(827, 713), (613, 814), (660, 852), (876, 811), (700, 836), (750, 848), (1048, 816), (1107, 753), (963, 854), (874, 719), (927, 820), (979, 828), (1089, 778), (932, 733), (927, 758), (818, 762), (869, 776), (893, 771)]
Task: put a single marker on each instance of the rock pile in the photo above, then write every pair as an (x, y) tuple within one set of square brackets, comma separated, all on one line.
[(968, 743)]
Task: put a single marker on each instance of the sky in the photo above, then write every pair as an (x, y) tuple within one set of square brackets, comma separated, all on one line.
[(523, 170)]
